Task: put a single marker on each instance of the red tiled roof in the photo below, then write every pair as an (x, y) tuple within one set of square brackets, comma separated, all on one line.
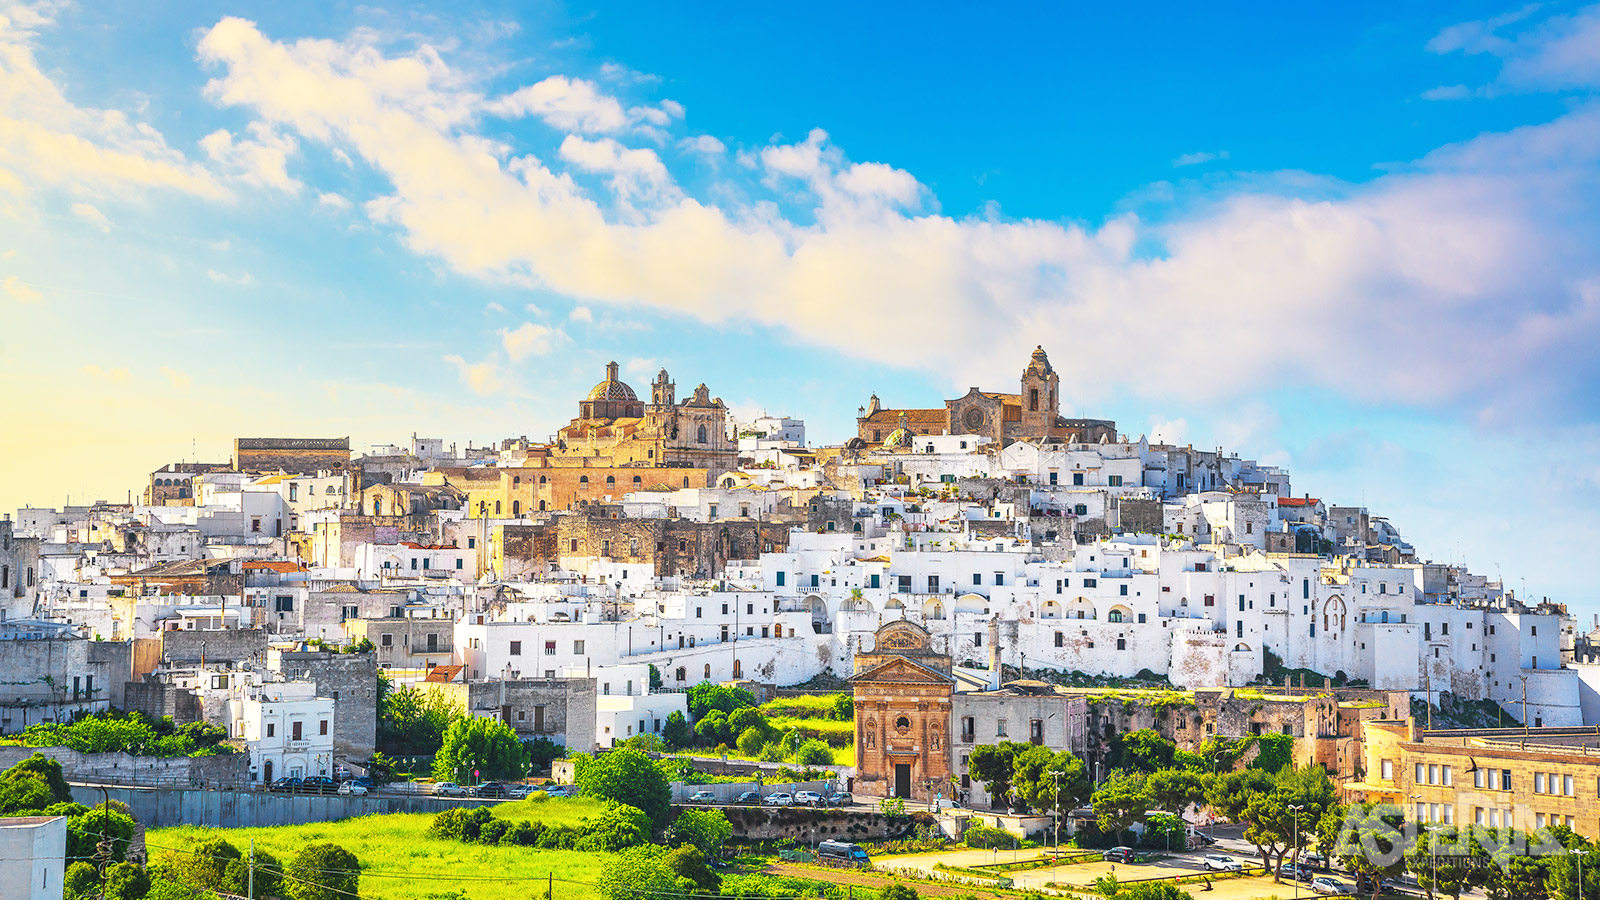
[(1298, 501)]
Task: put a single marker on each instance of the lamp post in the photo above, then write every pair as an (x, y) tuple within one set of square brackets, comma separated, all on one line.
[(1296, 876), (1580, 854), (1433, 861)]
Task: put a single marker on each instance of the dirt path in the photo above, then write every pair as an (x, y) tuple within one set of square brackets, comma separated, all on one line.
[(870, 880)]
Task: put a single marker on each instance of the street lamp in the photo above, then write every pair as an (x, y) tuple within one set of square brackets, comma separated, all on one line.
[(1433, 861), (1580, 854), (1296, 876)]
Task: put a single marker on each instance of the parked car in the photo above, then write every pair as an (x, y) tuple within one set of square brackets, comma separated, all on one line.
[(1298, 873), (807, 798), (287, 784), (748, 797), (703, 797), (1118, 854), (449, 789), (488, 789), (1327, 884), (319, 784), (353, 788), (1197, 837), (842, 853), (838, 798), (364, 781), (1313, 859), (1218, 862), (782, 798), (517, 791), (558, 790)]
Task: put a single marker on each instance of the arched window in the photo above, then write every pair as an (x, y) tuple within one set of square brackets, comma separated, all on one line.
[(702, 438), (637, 481), (611, 481), (738, 670), (497, 507), (856, 528), (516, 507), (541, 506), (682, 674), (708, 670), (543, 479), (685, 481), (583, 479), (516, 479), (377, 506)]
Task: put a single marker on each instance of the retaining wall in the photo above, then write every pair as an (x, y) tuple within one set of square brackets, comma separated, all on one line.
[(163, 807)]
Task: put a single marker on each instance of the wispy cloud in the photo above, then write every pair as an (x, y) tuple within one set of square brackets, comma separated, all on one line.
[(243, 279), (93, 216), (530, 339), (1558, 53), (1195, 159), (19, 291)]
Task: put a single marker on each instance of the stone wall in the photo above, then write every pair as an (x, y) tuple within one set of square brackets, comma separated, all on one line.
[(156, 699), (227, 770), (297, 456), (231, 645), (165, 807), (1138, 516), (808, 826)]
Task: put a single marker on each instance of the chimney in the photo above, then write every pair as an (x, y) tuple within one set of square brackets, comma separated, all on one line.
[(995, 678)]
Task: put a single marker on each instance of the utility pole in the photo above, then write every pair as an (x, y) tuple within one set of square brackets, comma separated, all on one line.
[(250, 887), (1524, 707), (1296, 810), (1427, 674)]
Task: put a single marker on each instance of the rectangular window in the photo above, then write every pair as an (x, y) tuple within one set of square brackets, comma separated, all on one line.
[(295, 735), (1077, 478), (1433, 774), (780, 579), (1091, 582), (999, 579), (1000, 728), (1124, 591), (549, 648), (1567, 787), (271, 728), (577, 648), (516, 648), (977, 579), (933, 584), (1422, 774), (1387, 768), (1060, 639), (323, 726), (1445, 773), (387, 640), (872, 581), (903, 584)]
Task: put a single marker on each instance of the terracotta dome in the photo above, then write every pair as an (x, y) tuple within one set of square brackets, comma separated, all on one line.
[(612, 389)]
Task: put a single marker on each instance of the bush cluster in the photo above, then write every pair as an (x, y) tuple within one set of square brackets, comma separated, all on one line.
[(982, 837), (617, 828)]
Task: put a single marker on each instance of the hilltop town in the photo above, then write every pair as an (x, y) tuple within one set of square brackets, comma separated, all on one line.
[(1044, 579)]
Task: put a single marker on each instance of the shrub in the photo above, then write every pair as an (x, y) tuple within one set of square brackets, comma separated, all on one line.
[(82, 882), (324, 872), (629, 777), (844, 708), (126, 881), (619, 827), (751, 741), (705, 829), (982, 837), (897, 891), (813, 753), (892, 806)]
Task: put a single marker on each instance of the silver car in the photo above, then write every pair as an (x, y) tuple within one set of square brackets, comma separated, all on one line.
[(779, 799)]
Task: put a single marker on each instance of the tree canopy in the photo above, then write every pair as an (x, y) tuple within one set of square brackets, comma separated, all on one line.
[(628, 776), (488, 747)]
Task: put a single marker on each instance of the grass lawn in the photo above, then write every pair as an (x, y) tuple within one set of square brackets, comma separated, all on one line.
[(818, 726), (400, 861), (806, 706)]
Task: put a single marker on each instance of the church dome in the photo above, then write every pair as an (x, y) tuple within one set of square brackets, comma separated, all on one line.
[(899, 437), (611, 388)]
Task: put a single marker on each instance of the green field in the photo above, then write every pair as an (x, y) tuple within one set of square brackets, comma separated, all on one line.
[(805, 706), (400, 861)]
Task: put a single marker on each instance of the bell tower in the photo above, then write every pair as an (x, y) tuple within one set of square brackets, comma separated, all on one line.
[(663, 392), (1041, 400)]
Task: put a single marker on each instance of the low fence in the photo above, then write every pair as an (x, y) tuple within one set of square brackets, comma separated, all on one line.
[(725, 791), (228, 770)]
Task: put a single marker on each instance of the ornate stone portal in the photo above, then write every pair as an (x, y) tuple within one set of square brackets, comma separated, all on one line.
[(902, 694)]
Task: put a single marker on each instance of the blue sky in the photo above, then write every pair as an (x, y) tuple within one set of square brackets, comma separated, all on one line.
[(1356, 242)]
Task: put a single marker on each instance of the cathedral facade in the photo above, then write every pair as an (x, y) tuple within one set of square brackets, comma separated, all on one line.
[(614, 425), (1033, 413)]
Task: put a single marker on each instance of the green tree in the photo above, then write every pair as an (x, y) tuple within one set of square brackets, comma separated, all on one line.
[(1562, 873), (126, 881), (750, 742), (323, 872), (1229, 792), (1371, 843), (81, 882), (206, 865), (541, 752), (486, 746), (1166, 831), (1175, 789), (640, 872), (712, 728), (705, 697), (843, 709), (1272, 820), (1144, 750), (618, 827), (628, 776), (1442, 859), (749, 717), (706, 829), (675, 731), (47, 770), (412, 722), (86, 830), (1121, 801), (813, 753), (24, 793), (688, 865), (1034, 779), (655, 677), (994, 765)]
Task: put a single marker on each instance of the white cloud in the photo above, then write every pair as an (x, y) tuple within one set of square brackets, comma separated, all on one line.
[(50, 142), (533, 309), (177, 379), (493, 307), (1169, 431), (703, 143), (93, 216), (1448, 92), (530, 339), (1484, 247), (570, 104), (262, 161), (20, 291), (118, 375), (1560, 52), (1195, 159), (641, 367), (244, 279), (635, 173), (581, 314), (333, 201), (483, 378)]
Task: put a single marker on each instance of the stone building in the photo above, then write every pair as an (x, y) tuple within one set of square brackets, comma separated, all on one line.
[(680, 547), (903, 693), (297, 456), (173, 483), (1032, 413), (559, 709), (612, 422), (405, 642), (19, 572), (350, 680), (55, 674)]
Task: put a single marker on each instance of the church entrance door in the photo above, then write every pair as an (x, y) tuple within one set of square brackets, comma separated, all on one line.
[(902, 780)]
